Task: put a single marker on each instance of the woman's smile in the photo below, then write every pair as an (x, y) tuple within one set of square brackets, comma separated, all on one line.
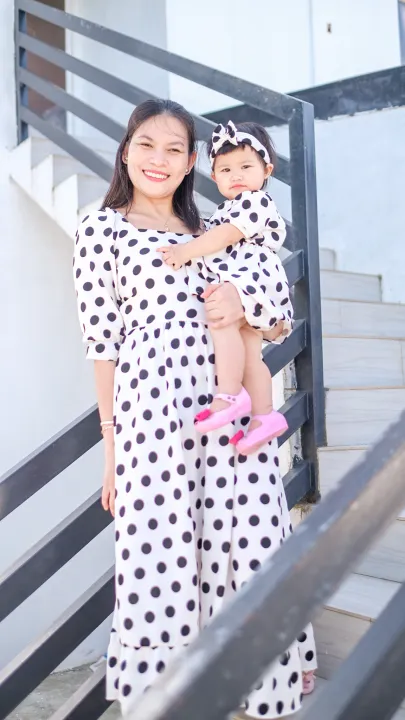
[(155, 176)]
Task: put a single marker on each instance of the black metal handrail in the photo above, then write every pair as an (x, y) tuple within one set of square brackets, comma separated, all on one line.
[(40, 467), (42, 656)]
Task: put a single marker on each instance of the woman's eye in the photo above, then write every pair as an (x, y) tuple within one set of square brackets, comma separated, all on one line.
[(145, 144), (174, 150)]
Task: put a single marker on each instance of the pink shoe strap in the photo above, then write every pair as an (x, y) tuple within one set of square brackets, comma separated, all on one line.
[(263, 418), (226, 398)]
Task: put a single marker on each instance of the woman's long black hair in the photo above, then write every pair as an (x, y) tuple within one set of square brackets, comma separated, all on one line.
[(121, 191)]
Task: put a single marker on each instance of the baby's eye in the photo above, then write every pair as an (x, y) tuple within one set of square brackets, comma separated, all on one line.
[(225, 170), (246, 167)]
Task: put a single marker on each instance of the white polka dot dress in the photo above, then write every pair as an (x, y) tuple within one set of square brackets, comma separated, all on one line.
[(193, 520), (251, 265)]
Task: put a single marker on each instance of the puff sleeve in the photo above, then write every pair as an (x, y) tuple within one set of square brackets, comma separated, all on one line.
[(255, 214), (95, 283)]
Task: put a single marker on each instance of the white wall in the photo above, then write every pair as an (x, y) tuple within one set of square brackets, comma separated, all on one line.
[(143, 20), (280, 44), (363, 38), (361, 181), (266, 42), (360, 164), (44, 380)]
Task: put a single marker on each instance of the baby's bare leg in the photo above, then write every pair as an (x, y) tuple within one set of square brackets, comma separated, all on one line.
[(256, 378), (229, 361)]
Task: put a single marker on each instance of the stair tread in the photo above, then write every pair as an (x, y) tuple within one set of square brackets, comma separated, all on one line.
[(357, 416), (342, 448), (320, 685), (366, 388), (363, 596), (337, 284), (377, 303), (349, 273)]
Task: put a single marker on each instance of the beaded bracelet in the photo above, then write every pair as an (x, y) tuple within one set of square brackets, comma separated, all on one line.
[(106, 425)]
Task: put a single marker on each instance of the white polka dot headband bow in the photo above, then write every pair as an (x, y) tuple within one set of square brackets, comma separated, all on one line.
[(230, 134)]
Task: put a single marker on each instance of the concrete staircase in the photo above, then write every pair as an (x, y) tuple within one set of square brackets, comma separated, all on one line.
[(364, 358)]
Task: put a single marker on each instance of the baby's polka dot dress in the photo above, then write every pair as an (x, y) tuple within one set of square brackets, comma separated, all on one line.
[(251, 265)]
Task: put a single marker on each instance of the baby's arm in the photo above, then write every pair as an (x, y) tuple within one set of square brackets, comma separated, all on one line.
[(214, 240)]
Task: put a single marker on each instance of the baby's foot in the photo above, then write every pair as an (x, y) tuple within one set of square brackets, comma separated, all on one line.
[(233, 408), (220, 404), (308, 682), (255, 422)]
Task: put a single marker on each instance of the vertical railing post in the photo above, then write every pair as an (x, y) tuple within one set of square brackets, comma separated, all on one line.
[(20, 61), (307, 292)]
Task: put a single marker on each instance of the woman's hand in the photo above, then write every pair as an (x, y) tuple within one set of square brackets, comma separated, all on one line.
[(174, 255), (108, 492), (222, 305)]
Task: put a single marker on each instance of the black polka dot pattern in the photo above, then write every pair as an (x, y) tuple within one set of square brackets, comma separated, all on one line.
[(252, 264), (193, 521)]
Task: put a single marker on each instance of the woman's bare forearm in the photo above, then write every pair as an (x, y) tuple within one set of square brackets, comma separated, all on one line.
[(104, 371)]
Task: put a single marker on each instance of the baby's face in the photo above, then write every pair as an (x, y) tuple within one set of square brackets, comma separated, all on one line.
[(239, 170)]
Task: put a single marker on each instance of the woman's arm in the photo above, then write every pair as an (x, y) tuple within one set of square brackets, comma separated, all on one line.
[(214, 240), (104, 371), (222, 305), (101, 323)]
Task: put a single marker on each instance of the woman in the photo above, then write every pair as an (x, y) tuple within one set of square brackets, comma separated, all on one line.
[(193, 520)]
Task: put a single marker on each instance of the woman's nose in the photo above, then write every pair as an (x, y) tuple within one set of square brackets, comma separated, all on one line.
[(158, 158)]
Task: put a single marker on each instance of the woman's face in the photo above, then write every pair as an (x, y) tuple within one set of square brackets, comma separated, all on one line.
[(158, 156)]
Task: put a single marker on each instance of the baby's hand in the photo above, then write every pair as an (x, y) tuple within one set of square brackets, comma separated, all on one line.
[(174, 255)]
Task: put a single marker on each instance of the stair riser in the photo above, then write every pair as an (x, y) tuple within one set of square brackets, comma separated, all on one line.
[(47, 175), (355, 362), (336, 636), (327, 259), (360, 319), (386, 560), (72, 195), (358, 417), (350, 286), (334, 464)]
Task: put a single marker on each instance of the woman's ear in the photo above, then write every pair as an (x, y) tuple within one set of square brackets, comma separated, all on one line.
[(124, 156), (268, 171), (191, 161)]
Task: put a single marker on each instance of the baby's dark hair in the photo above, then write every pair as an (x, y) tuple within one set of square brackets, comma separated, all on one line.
[(258, 131)]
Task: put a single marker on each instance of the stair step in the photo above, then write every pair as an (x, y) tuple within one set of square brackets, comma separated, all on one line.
[(386, 559), (320, 685), (363, 362), (73, 194), (363, 319), (327, 259), (357, 416), (49, 173), (347, 616), (334, 463), (350, 286)]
